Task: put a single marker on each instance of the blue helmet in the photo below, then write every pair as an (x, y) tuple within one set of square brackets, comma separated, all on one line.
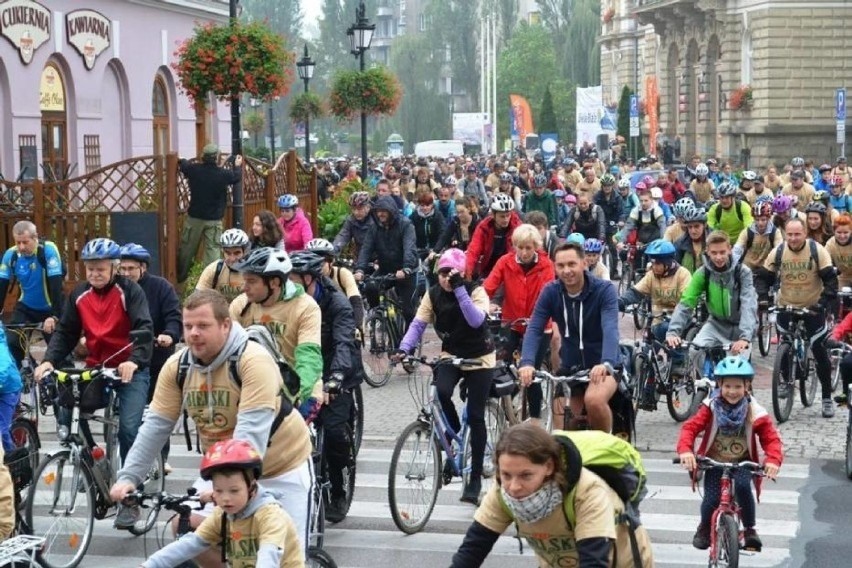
[(593, 246), (132, 251), (615, 170), (100, 249), (734, 367), (576, 238), (660, 249), (288, 201)]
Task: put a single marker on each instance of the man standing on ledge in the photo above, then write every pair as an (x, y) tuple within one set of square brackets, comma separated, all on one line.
[(208, 191)]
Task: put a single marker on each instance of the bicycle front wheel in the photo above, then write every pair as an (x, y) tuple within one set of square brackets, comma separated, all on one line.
[(414, 477), (680, 397), (377, 365), (783, 382), (728, 542), (25, 435), (765, 329), (155, 482), (807, 381), (494, 424), (60, 507), (357, 418), (849, 448)]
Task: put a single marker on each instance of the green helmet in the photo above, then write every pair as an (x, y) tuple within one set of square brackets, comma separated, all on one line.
[(607, 179)]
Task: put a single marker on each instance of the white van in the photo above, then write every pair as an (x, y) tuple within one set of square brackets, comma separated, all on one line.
[(439, 148)]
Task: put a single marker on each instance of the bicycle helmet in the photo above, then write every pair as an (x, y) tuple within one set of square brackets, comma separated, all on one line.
[(641, 187), (761, 209), (782, 204), (132, 251), (682, 205), (100, 249), (505, 177), (321, 247), (797, 162), (512, 170), (266, 262), (288, 201), (359, 198), (749, 175), (824, 168), (815, 207), (821, 196), (452, 258), (709, 203), (576, 238), (559, 193), (571, 199), (624, 183), (695, 215), (607, 179), (231, 454), (648, 181), (660, 249), (835, 181), (614, 170), (307, 262), (450, 181), (701, 170), (593, 246), (405, 172), (841, 159), (502, 203), (726, 189), (734, 367), (711, 162), (540, 180), (234, 238), (656, 193), (470, 169)]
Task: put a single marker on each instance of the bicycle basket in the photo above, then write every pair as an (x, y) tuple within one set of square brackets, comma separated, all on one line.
[(94, 394), (20, 467)]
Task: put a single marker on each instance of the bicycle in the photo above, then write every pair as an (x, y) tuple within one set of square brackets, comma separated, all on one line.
[(726, 537), (792, 364), (511, 396), (630, 274), (417, 453), (21, 550), (765, 323), (71, 488), (36, 398)]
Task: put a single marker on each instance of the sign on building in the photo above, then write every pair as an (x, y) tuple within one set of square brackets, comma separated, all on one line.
[(592, 118), (468, 126), (89, 33), (840, 115), (26, 24)]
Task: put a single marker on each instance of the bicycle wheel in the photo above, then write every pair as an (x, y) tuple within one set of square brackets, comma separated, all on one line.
[(680, 397), (783, 382), (25, 435), (357, 418), (320, 491), (849, 448), (378, 370), (414, 477), (642, 372), (807, 380), (319, 558), (494, 422), (835, 371), (155, 482), (349, 472), (765, 329), (728, 542), (60, 507), (626, 280), (639, 320)]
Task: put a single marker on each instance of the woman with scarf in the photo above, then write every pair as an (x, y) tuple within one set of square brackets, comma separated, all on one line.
[(732, 424), (535, 473)]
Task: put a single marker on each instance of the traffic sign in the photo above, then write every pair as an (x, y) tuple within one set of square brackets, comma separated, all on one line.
[(634, 126), (634, 106), (839, 105)]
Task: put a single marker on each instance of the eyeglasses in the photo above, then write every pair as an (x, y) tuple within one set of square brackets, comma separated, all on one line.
[(445, 272), (129, 268)]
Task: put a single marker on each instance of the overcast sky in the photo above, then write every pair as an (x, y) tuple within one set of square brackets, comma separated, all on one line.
[(312, 10)]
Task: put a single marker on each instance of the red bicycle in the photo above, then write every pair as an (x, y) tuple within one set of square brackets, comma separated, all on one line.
[(726, 534)]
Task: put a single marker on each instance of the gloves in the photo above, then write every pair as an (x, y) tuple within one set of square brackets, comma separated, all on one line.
[(456, 280), (333, 384), (621, 305), (310, 409)]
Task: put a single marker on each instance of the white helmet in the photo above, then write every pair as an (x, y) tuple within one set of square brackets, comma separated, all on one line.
[(320, 246), (502, 202), (624, 183), (702, 170), (234, 238), (656, 193)]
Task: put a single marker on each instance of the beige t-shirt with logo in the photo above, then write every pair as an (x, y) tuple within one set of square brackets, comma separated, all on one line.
[(573, 178), (270, 524), (229, 283), (801, 286), (760, 247), (554, 541), (214, 405), (703, 190), (664, 292), (804, 195), (841, 256)]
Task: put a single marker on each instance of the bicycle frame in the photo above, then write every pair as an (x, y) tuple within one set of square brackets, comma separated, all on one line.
[(441, 428), (727, 506)]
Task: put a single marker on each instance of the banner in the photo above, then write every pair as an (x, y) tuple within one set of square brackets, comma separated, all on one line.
[(652, 98), (523, 117), (467, 127), (592, 118)]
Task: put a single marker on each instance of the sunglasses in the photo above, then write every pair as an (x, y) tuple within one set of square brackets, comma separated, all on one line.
[(445, 272)]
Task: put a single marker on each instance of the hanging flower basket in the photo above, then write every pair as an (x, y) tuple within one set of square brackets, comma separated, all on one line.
[(375, 91), (608, 15), (306, 106), (741, 98), (231, 59)]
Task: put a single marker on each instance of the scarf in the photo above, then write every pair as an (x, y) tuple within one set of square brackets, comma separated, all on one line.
[(730, 418), (537, 505)]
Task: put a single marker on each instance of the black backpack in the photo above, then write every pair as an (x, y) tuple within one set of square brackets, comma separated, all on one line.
[(219, 266), (750, 239), (780, 252), (649, 226)]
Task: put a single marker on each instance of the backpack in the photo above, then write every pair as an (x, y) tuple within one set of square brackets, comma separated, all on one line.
[(648, 227), (40, 256), (737, 207), (750, 239), (615, 461), (261, 335), (219, 266), (779, 252)]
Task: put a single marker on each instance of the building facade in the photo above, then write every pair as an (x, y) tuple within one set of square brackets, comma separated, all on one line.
[(88, 83), (700, 54)]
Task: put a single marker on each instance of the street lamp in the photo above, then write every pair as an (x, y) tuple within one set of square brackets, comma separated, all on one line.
[(360, 37), (236, 131), (254, 103), (305, 66)]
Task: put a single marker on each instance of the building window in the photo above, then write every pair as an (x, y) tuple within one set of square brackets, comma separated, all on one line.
[(535, 18), (422, 26), (160, 111), (54, 127), (448, 54), (92, 152), (747, 52)]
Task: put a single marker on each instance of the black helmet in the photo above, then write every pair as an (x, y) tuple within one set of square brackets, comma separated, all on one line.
[(307, 262)]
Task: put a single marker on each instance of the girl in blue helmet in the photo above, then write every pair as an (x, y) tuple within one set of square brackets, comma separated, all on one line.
[(732, 424)]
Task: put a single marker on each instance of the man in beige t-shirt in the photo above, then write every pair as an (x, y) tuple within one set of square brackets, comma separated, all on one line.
[(798, 188), (218, 275)]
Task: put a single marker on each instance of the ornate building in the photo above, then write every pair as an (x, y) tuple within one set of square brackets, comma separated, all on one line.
[(792, 55)]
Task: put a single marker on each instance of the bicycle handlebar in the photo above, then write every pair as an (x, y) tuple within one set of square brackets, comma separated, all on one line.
[(803, 312), (709, 463), (578, 378), (74, 374), (25, 326), (438, 361), (168, 501)]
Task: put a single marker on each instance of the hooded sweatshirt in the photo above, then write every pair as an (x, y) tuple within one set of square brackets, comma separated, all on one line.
[(297, 231), (262, 535), (393, 244)]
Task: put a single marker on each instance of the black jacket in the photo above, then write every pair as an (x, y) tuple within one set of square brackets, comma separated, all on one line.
[(353, 230), (451, 237), (613, 209), (164, 307), (208, 188), (392, 245), (427, 230), (340, 352)]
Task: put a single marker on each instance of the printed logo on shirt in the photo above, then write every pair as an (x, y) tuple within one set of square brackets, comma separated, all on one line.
[(242, 546), (276, 328), (555, 550)]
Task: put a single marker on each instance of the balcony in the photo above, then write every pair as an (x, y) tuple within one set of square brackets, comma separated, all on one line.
[(673, 14)]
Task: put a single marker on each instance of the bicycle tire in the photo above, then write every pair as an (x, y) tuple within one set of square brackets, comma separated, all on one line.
[(155, 482), (350, 472), (782, 371), (639, 320), (320, 489), (764, 332), (34, 513), (642, 372), (807, 381), (25, 435), (317, 557), (728, 541), (425, 448), (680, 397), (835, 372), (849, 447), (357, 417), (379, 370), (494, 424)]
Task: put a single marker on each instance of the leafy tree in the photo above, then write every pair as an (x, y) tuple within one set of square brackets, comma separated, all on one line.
[(547, 117), (282, 16), (574, 26), (455, 24), (623, 124)]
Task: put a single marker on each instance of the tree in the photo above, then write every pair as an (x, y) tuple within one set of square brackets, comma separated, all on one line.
[(623, 124), (282, 16), (454, 24), (574, 27), (547, 118)]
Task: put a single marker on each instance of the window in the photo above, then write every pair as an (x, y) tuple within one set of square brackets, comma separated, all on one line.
[(92, 151), (160, 112), (746, 63), (422, 22), (448, 54)]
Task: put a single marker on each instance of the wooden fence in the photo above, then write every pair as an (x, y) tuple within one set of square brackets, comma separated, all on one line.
[(73, 211)]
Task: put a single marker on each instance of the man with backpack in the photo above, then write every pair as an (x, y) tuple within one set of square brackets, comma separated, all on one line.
[(586, 218), (39, 271), (219, 275), (230, 390), (730, 214), (754, 245)]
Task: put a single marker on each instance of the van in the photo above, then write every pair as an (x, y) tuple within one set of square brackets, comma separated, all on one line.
[(439, 148)]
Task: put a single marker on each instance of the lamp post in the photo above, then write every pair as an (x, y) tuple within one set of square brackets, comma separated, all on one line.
[(254, 103), (236, 134), (305, 66), (271, 107), (360, 37)]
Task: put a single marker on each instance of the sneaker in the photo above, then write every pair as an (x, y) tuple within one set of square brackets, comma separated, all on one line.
[(126, 517), (336, 511), (701, 540), (472, 490), (774, 340), (447, 473), (827, 408), (751, 541), (167, 469)]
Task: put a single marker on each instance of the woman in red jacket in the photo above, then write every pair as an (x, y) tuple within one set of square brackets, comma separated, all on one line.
[(522, 273)]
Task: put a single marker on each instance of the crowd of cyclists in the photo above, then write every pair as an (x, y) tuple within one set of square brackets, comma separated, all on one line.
[(557, 250)]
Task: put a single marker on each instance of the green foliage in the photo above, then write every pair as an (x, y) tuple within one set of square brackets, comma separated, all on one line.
[(254, 122), (455, 23), (261, 153), (574, 27), (547, 118), (283, 16), (333, 212), (375, 91), (623, 125), (192, 279), (306, 105)]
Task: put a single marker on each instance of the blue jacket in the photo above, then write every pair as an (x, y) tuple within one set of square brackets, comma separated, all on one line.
[(10, 378), (592, 323), (841, 203)]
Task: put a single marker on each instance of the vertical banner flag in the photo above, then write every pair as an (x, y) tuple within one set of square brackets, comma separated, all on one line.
[(523, 116), (652, 99), (592, 118)]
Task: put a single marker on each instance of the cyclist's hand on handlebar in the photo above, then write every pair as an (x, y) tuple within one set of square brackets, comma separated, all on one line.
[(42, 370), (397, 355), (49, 325), (400, 274), (673, 341), (738, 346), (597, 374), (687, 460), (526, 374), (126, 370), (206, 497), (771, 470), (164, 340), (120, 490), (359, 276)]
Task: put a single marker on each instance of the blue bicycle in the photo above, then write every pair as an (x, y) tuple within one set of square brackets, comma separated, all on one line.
[(415, 474)]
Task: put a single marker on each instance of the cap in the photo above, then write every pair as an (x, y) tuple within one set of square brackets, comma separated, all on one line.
[(210, 150)]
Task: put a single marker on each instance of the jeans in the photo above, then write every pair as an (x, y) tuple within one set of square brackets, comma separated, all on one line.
[(659, 330), (8, 403), (478, 384)]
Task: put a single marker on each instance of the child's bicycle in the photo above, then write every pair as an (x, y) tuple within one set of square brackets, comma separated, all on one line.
[(726, 536), (20, 551)]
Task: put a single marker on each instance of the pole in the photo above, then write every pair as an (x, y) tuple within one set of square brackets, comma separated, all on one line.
[(363, 131), (482, 71), (236, 138), (272, 132), (307, 132), (488, 93), (496, 148)]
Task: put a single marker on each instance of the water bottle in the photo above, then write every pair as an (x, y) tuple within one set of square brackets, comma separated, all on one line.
[(100, 462)]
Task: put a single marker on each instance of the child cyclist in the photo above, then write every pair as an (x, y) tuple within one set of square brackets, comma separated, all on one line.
[(260, 532), (732, 424), (593, 249)]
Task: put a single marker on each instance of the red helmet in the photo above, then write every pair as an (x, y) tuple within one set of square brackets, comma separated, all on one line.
[(835, 181), (231, 454)]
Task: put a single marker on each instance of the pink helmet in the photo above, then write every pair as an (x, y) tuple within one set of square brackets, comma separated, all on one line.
[(452, 258), (648, 181), (570, 198)]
